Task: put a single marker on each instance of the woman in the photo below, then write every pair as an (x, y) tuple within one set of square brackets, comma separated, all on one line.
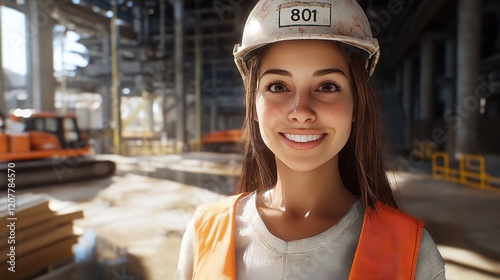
[(314, 201)]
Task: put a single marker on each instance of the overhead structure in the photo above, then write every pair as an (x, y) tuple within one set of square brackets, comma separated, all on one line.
[(177, 54)]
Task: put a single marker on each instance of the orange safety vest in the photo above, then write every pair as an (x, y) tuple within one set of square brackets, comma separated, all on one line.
[(387, 248)]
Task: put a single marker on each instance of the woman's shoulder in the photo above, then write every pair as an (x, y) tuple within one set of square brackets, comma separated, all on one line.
[(430, 264), (223, 206), (387, 212)]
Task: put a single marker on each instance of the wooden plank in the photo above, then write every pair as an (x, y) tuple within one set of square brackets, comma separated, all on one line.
[(23, 247), (26, 222), (37, 261), (55, 222), (25, 206)]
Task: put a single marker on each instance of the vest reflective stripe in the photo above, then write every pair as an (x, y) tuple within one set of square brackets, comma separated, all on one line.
[(384, 251)]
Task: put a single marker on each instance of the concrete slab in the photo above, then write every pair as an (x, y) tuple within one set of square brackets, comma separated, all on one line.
[(462, 220)]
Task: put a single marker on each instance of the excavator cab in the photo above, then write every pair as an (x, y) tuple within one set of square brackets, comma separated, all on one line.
[(64, 128), (43, 135), (47, 148)]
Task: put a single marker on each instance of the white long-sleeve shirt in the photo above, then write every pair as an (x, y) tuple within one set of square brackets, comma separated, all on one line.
[(328, 255)]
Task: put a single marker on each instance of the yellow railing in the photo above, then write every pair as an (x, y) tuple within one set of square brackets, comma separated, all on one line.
[(471, 171), (440, 165)]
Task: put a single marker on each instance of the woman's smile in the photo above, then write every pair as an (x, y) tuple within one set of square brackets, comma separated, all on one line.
[(303, 141), (303, 138)]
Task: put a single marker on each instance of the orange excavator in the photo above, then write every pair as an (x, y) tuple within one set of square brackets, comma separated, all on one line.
[(45, 148), (223, 141)]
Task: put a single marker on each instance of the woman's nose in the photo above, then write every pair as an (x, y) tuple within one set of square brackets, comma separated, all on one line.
[(302, 110)]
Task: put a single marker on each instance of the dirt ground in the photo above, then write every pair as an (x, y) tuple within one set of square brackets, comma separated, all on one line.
[(133, 223)]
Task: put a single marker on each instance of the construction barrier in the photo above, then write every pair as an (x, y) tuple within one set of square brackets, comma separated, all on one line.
[(471, 171)]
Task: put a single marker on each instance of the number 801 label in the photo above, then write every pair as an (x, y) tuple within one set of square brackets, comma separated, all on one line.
[(300, 14)]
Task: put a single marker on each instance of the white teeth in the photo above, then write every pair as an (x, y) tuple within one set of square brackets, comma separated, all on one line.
[(302, 138)]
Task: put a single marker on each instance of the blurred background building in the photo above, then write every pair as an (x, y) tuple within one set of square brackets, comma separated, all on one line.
[(151, 82), (175, 77)]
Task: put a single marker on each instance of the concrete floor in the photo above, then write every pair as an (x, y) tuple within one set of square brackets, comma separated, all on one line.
[(134, 222)]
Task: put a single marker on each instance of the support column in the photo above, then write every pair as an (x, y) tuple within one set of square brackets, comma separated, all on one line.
[(3, 101), (468, 59), (63, 86), (105, 90), (197, 77), (163, 16), (138, 22), (179, 76), (426, 80), (449, 91), (213, 114), (115, 83), (106, 141), (107, 105), (407, 99), (449, 72), (150, 109), (498, 28), (163, 47), (213, 101), (41, 82)]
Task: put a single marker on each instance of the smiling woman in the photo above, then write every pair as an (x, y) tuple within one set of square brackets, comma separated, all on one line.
[(314, 202), (304, 103)]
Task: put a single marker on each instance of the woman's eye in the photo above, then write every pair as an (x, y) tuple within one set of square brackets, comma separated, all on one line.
[(277, 88), (328, 87)]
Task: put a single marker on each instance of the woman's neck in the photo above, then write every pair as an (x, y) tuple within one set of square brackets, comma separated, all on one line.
[(319, 192), (304, 204)]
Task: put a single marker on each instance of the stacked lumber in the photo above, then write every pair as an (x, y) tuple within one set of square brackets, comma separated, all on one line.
[(42, 238)]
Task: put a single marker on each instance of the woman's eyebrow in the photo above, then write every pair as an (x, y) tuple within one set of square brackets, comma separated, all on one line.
[(323, 72), (318, 73), (277, 72)]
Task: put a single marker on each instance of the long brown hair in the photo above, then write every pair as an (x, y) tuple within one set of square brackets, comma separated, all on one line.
[(361, 164)]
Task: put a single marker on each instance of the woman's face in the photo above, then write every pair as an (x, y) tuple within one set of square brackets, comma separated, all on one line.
[(304, 102)]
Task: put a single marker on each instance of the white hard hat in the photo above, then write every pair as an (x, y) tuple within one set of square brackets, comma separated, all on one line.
[(277, 20)]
